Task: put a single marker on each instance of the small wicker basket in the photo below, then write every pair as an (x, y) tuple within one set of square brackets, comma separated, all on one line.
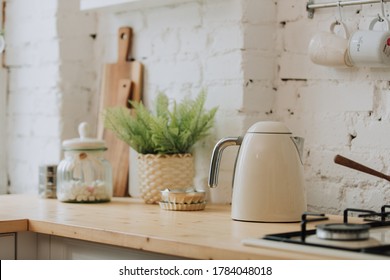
[(157, 172)]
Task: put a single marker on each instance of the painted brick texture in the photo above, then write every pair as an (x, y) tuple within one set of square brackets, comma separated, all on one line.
[(51, 76), (336, 110), (250, 55)]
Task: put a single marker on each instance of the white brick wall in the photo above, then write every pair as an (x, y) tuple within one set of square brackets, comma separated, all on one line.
[(3, 100), (3, 159), (250, 55), (186, 48), (51, 83), (33, 74), (336, 110)]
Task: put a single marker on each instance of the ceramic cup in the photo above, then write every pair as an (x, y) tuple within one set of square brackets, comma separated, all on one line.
[(370, 47), (2, 44), (330, 49)]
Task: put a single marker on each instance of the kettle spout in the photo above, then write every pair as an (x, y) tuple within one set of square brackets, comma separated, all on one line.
[(298, 142)]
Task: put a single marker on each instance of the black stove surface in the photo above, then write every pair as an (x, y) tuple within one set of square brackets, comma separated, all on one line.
[(377, 242)]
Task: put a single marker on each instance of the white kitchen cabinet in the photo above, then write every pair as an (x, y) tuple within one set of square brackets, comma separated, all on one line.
[(26, 245), (48, 247), (7, 246), (117, 5), (72, 249)]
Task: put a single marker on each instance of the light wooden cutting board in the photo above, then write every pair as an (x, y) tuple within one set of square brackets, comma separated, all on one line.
[(121, 82)]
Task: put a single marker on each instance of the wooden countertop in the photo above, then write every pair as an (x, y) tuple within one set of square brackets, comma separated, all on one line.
[(128, 222)]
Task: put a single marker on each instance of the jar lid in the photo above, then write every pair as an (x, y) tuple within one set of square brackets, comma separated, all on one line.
[(85, 142)]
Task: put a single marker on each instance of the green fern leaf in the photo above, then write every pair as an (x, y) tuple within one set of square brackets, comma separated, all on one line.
[(162, 131)]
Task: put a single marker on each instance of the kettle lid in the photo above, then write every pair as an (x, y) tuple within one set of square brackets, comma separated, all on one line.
[(269, 127)]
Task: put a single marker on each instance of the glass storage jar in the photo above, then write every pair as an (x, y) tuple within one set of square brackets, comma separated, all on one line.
[(84, 175)]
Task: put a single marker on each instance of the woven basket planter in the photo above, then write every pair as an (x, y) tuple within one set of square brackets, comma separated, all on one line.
[(159, 172)]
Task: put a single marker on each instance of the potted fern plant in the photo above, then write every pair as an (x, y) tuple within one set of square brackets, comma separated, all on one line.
[(163, 139)]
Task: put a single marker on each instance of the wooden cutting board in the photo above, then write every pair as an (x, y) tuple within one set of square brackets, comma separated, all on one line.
[(121, 82)]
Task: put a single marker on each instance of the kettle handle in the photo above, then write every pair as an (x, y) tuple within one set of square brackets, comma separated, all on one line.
[(217, 155)]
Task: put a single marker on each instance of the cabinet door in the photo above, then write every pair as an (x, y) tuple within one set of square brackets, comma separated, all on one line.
[(72, 249), (26, 245), (7, 246)]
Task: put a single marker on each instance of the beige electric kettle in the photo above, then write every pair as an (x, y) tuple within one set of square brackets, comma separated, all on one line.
[(268, 183)]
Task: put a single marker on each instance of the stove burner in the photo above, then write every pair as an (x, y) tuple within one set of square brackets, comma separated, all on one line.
[(371, 237), (345, 232)]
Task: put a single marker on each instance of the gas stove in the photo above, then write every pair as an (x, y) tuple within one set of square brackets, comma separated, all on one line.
[(369, 237)]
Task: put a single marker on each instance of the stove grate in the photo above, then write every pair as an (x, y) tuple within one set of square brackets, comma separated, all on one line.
[(372, 218)]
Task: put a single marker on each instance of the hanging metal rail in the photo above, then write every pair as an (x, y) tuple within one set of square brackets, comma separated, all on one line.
[(311, 6)]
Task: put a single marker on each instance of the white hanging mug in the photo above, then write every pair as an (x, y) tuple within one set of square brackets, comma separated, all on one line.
[(2, 43), (371, 47), (330, 49)]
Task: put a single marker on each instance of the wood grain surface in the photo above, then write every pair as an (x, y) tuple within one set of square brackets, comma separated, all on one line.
[(130, 223), (122, 81)]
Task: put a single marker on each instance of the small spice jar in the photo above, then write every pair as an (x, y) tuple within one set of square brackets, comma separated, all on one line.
[(84, 175), (47, 181)]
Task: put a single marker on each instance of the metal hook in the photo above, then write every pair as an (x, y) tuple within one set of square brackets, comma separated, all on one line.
[(340, 20), (382, 16)]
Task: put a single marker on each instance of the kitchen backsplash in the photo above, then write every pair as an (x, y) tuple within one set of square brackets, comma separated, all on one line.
[(250, 56)]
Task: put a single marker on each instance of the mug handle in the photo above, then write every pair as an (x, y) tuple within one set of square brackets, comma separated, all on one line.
[(333, 25), (379, 19)]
